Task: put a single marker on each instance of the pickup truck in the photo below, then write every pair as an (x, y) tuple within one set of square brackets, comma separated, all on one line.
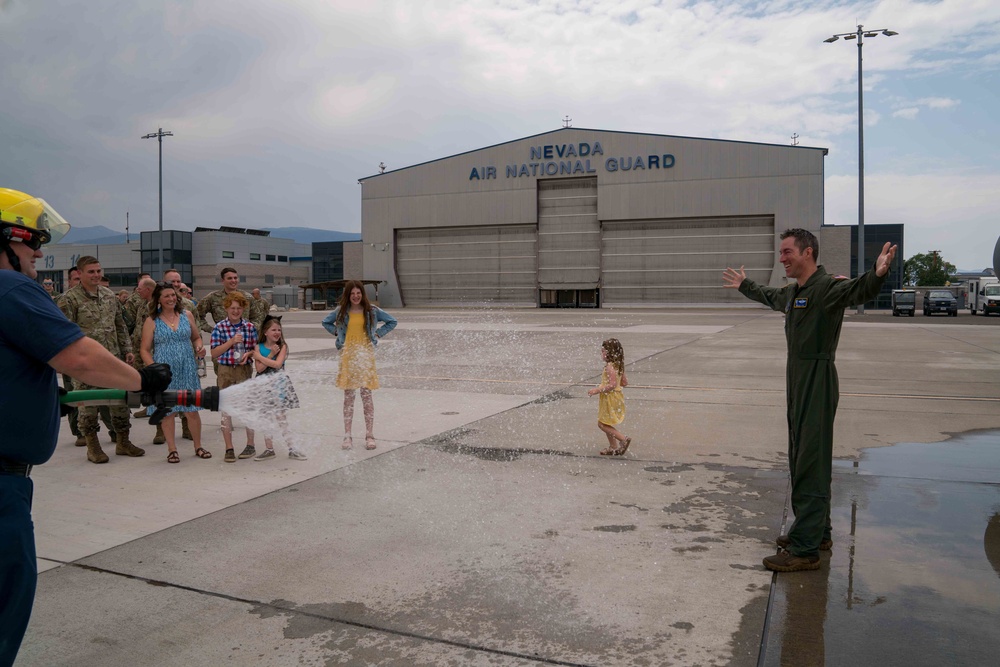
[(940, 301)]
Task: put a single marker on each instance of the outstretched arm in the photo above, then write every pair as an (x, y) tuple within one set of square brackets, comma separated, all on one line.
[(864, 288), (774, 298)]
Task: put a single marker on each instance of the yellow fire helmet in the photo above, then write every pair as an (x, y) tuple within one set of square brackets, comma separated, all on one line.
[(18, 209)]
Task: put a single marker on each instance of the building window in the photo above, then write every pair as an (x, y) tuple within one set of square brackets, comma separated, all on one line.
[(228, 254), (282, 258), (255, 256), (269, 258), (269, 278)]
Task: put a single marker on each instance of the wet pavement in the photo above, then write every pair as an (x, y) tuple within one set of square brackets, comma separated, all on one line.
[(486, 530), (914, 574)]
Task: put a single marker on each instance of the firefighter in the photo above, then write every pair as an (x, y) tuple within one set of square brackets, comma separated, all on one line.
[(36, 342)]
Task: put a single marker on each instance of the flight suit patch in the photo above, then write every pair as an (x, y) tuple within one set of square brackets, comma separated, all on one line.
[(801, 303)]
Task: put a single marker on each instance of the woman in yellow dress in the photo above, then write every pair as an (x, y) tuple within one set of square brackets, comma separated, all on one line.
[(611, 411), (358, 326)]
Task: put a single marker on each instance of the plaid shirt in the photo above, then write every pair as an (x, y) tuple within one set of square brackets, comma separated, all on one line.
[(225, 330)]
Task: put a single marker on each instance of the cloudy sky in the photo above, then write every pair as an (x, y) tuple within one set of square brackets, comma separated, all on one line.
[(279, 106)]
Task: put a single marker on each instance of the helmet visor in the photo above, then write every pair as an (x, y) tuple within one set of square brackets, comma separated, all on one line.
[(36, 215)]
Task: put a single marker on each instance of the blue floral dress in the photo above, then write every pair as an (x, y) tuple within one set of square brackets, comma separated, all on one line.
[(174, 348)]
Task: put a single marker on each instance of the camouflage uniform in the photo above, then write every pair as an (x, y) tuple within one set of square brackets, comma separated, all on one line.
[(212, 305), (266, 305), (100, 317), (141, 314), (130, 312)]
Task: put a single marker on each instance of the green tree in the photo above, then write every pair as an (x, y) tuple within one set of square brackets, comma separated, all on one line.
[(927, 269)]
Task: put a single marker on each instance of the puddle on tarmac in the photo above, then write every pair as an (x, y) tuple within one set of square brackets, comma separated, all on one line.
[(970, 457), (914, 574)]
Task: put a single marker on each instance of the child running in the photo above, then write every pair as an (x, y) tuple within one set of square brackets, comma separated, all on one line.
[(269, 359), (612, 406)]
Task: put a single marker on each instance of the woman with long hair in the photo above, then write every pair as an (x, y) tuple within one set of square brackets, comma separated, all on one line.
[(169, 336), (358, 326)]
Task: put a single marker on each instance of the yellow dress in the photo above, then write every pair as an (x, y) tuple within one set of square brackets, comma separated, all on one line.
[(612, 404), (357, 359)]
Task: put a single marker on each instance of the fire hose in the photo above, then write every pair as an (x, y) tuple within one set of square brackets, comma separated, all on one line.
[(163, 401)]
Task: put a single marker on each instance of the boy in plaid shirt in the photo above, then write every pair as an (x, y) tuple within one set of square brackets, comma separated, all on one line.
[(233, 343)]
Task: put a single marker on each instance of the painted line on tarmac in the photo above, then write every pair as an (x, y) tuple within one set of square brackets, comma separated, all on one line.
[(330, 619), (922, 397)]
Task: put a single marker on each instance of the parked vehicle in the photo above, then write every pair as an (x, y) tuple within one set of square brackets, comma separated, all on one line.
[(940, 301), (984, 295), (904, 302)]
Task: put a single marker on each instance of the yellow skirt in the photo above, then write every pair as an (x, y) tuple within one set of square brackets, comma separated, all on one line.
[(612, 408)]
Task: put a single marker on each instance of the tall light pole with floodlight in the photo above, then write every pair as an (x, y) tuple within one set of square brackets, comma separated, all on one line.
[(859, 35), (159, 134)]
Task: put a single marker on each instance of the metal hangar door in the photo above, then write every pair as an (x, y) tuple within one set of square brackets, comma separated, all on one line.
[(467, 265), (682, 260), (569, 242)]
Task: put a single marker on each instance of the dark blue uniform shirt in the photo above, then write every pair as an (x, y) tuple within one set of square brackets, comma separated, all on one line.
[(32, 331)]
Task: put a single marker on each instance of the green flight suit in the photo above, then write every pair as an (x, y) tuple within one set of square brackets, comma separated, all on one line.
[(813, 317)]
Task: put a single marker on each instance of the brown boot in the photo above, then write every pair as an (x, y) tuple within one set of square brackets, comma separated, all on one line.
[(124, 447), (159, 438), (94, 452), (185, 430), (81, 441), (138, 414)]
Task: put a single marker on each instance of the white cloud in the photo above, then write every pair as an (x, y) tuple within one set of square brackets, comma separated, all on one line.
[(955, 213), (306, 96)]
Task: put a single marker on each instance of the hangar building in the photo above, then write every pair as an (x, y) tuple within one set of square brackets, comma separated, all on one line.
[(588, 218)]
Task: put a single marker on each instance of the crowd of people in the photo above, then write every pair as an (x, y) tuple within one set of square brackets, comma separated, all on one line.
[(151, 341), (158, 322)]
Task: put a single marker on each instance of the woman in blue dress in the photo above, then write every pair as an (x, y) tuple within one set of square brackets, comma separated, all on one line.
[(169, 336)]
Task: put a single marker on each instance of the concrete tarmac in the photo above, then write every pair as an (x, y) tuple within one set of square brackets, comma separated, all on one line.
[(485, 529)]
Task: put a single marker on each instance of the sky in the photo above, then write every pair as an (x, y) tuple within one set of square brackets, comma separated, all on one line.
[(278, 107)]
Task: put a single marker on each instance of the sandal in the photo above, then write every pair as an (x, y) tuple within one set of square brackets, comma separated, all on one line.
[(348, 443), (612, 451), (624, 448), (173, 457), (202, 453), (369, 443)]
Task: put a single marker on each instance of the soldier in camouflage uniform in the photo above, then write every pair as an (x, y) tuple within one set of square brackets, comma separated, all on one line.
[(136, 308), (261, 303), (173, 276), (212, 305), (74, 414), (96, 310)]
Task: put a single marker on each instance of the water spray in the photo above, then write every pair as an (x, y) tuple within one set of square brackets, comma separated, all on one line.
[(163, 401)]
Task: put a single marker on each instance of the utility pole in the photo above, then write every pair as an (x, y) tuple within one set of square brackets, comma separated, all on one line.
[(159, 134)]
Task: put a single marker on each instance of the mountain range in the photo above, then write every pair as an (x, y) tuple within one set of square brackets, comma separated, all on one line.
[(101, 235)]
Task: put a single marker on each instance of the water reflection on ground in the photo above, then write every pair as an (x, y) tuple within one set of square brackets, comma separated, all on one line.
[(915, 567)]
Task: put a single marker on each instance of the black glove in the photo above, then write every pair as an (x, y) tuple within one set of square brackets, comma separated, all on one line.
[(155, 378), (64, 410)]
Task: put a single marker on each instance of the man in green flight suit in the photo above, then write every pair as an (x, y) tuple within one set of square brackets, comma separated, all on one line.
[(814, 311)]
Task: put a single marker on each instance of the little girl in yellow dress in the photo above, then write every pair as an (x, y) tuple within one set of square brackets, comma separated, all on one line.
[(611, 410)]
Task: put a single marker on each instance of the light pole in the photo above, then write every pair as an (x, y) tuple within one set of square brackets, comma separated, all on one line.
[(159, 134), (859, 35)]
